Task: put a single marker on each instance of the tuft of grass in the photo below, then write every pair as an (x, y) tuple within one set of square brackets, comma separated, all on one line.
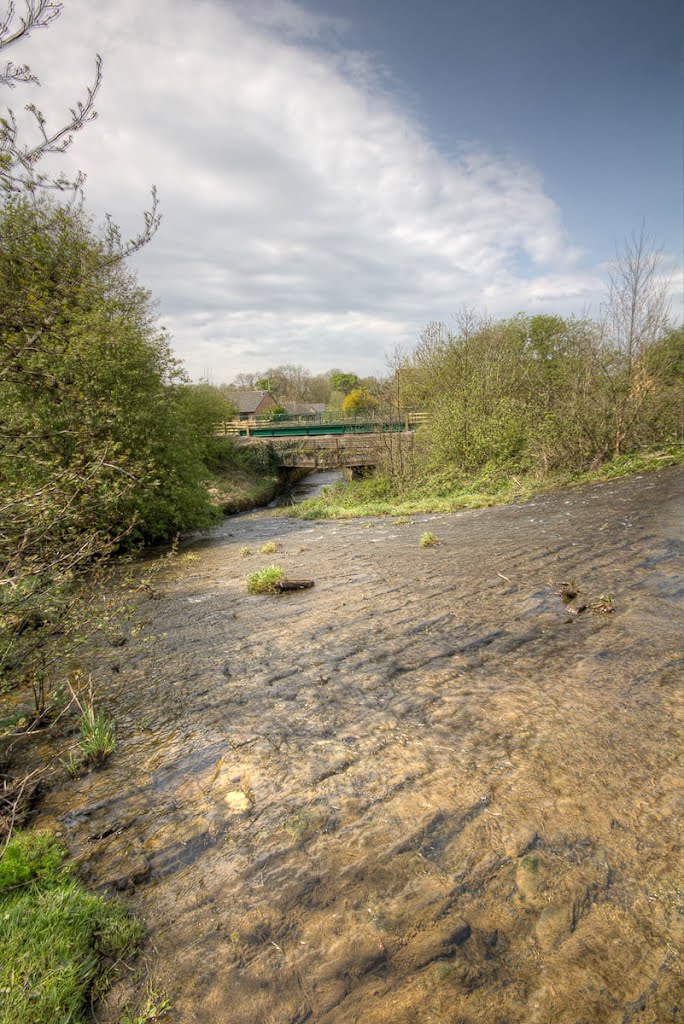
[(269, 548), (244, 552), (427, 540), (263, 581), (97, 736), (97, 740), (59, 944), (156, 1006)]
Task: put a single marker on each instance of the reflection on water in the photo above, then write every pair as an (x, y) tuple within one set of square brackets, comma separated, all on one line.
[(419, 791)]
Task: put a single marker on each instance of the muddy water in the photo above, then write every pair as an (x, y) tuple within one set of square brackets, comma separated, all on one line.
[(422, 790)]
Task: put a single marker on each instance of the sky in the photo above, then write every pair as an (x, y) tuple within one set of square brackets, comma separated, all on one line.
[(333, 175)]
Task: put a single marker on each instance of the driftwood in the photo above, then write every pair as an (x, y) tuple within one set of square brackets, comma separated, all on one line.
[(293, 585)]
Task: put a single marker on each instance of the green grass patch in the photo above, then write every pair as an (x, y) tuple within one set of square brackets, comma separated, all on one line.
[(447, 490), (264, 581), (60, 945), (428, 540)]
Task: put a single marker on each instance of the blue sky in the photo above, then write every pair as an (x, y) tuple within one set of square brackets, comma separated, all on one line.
[(590, 92), (334, 176)]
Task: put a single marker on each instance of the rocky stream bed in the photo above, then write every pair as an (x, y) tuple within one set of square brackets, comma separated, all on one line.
[(425, 790)]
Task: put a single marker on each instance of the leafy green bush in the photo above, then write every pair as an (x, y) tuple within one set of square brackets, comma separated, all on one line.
[(104, 441)]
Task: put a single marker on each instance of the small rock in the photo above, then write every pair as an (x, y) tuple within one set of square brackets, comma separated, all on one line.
[(529, 875), (568, 591), (553, 926), (433, 945)]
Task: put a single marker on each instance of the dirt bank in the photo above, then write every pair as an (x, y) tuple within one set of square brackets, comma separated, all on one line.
[(423, 790)]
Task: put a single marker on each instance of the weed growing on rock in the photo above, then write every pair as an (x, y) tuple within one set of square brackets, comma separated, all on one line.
[(269, 548), (264, 581), (428, 540), (244, 552)]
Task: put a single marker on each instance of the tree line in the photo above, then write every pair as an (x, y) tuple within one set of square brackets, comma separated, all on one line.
[(546, 393), (293, 383)]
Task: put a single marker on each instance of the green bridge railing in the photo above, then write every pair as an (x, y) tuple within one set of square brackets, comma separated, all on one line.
[(307, 429)]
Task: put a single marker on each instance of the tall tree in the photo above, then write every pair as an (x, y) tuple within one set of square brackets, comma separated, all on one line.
[(636, 319)]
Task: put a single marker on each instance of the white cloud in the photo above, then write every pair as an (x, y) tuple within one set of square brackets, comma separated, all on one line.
[(307, 217)]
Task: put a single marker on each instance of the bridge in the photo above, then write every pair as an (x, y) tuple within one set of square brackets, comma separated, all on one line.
[(354, 445)]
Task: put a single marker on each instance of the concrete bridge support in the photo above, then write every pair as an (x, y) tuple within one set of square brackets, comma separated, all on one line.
[(357, 453)]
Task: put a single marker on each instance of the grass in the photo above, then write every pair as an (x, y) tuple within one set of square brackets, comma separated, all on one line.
[(60, 946), (97, 740), (263, 581), (269, 548), (427, 540), (446, 490), (97, 736)]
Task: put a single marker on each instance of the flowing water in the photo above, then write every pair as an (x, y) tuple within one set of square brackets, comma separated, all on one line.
[(426, 789), (310, 486)]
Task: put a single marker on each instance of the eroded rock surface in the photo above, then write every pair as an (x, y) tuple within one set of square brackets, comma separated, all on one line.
[(418, 792)]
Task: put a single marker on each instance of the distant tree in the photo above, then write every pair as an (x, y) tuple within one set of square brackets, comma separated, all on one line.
[(319, 389), (343, 382), (359, 400), (244, 381), (270, 384), (293, 381)]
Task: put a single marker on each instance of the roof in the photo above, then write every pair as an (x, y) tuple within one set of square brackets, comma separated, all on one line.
[(249, 401), (304, 408)]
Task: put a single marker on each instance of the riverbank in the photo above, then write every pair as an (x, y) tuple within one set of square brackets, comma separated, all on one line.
[(431, 786), (240, 491), (446, 491)]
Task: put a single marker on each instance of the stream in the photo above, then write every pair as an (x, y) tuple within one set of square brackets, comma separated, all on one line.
[(310, 486), (428, 789)]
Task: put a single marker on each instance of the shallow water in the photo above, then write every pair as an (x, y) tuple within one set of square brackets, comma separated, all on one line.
[(310, 486), (422, 790)]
